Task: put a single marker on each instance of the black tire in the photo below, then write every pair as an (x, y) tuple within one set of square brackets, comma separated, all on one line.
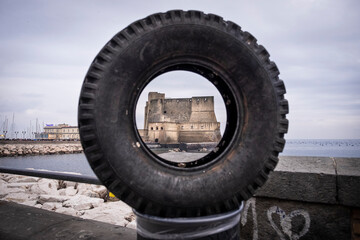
[(231, 234), (229, 58)]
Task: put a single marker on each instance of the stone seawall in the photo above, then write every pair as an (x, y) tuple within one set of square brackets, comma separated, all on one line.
[(87, 201), (10, 150), (306, 198)]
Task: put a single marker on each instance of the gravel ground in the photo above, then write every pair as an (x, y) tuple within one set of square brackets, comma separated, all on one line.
[(182, 156)]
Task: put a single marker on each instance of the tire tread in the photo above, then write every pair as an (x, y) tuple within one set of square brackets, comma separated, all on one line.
[(87, 102)]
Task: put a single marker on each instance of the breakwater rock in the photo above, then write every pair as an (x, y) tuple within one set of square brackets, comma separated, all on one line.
[(9, 150), (87, 201)]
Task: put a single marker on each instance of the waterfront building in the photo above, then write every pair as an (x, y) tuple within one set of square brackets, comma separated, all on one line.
[(70, 133), (62, 132), (52, 131)]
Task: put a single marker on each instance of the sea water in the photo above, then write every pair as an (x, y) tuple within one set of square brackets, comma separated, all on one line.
[(322, 148), (294, 147), (71, 163)]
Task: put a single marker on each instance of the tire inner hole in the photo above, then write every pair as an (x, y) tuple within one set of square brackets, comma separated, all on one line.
[(181, 117)]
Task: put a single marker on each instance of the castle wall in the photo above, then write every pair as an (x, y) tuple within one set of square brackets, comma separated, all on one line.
[(177, 110), (155, 112), (163, 132), (199, 132), (180, 120), (202, 104), (202, 109), (155, 95), (156, 105)]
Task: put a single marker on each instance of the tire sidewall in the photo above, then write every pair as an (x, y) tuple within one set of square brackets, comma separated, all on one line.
[(131, 70)]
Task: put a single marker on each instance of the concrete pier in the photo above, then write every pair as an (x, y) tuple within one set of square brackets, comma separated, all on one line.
[(20, 222)]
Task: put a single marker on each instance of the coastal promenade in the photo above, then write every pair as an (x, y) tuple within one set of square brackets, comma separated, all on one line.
[(21, 222), (304, 198)]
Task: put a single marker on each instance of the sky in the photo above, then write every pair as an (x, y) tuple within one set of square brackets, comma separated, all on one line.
[(46, 48)]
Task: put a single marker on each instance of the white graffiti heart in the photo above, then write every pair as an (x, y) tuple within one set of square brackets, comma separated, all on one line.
[(251, 203), (285, 222)]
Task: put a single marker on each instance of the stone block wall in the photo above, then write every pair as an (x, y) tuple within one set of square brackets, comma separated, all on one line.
[(306, 198)]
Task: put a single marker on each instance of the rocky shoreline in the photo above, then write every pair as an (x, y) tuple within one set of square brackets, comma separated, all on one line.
[(12, 150), (76, 199)]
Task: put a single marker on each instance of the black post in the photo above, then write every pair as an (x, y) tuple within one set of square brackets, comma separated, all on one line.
[(221, 226)]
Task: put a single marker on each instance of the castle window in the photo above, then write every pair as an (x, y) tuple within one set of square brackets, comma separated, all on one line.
[(162, 128), (192, 127), (202, 127), (157, 128), (152, 128), (164, 111)]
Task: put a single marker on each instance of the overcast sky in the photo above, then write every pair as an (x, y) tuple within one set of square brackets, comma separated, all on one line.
[(46, 48)]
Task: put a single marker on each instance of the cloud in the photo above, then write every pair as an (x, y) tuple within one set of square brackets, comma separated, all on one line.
[(46, 48)]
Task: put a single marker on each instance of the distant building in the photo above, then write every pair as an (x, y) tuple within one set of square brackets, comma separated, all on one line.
[(62, 132), (53, 132), (176, 120), (70, 132)]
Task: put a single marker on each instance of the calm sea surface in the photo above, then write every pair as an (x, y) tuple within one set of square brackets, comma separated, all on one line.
[(322, 147), (78, 163)]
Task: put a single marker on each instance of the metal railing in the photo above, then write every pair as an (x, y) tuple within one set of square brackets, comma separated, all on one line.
[(52, 175)]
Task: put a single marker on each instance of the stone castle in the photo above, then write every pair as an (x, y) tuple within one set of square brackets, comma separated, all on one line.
[(179, 120)]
